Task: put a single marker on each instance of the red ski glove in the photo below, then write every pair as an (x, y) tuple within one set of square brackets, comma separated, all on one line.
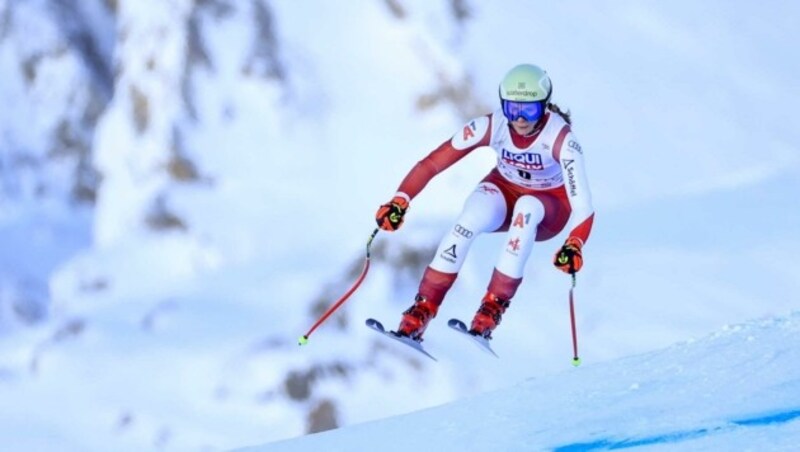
[(569, 258), (390, 215)]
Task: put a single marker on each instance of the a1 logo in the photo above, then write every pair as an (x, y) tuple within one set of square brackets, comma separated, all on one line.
[(521, 220)]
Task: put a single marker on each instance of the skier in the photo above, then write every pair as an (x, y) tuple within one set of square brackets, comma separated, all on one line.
[(537, 186)]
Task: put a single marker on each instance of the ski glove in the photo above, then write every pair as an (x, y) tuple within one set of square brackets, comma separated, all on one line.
[(390, 215), (569, 258)]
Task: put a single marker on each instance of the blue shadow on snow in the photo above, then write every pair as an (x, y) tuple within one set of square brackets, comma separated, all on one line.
[(676, 437)]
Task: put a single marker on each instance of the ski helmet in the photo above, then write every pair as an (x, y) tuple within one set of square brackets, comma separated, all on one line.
[(526, 83)]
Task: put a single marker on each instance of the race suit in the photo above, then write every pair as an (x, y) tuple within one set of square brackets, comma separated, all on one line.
[(538, 187)]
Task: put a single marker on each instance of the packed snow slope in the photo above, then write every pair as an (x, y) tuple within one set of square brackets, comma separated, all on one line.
[(737, 389)]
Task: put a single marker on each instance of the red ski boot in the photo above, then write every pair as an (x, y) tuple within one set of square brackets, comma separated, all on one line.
[(488, 316), (415, 319)]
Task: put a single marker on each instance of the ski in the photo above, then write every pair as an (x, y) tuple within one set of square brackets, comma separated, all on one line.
[(480, 341), (378, 326)]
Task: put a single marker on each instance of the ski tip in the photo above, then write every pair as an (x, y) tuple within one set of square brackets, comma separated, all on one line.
[(374, 324), (455, 323)]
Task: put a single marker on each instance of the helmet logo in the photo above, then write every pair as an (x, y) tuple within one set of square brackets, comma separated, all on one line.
[(525, 83), (523, 92)]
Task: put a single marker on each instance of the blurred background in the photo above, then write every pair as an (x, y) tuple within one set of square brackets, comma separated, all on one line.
[(186, 185)]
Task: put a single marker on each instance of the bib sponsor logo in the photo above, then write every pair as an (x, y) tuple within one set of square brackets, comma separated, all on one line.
[(574, 145), (524, 160)]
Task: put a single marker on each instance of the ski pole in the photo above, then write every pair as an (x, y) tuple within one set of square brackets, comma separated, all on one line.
[(304, 338), (575, 360)]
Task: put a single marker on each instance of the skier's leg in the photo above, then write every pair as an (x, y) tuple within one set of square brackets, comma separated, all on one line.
[(484, 211), (507, 275), (521, 236)]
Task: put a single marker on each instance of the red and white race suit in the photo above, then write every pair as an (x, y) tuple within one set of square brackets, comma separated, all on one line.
[(538, 187)]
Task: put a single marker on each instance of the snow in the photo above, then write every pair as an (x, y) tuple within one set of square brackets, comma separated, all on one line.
[(186, 339), (735, 389)]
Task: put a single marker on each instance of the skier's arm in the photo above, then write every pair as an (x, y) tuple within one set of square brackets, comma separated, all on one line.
[(576, 184), (473, 135), (570, 258)]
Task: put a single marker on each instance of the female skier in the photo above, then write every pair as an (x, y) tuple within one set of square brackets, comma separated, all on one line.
[(536, 188)]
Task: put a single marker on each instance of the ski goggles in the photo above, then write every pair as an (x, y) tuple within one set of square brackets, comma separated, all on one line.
[(530, 111)]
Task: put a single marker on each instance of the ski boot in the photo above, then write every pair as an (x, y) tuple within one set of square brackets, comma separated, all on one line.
[(488, 316), (415, 319)]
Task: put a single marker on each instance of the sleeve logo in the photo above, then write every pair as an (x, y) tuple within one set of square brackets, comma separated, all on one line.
[(469, 131)]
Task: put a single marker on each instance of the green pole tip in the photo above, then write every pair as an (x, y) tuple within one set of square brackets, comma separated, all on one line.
[(576, 361), (303, 340)]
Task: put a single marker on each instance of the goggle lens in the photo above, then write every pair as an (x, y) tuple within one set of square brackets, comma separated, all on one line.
[(530, 111)]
